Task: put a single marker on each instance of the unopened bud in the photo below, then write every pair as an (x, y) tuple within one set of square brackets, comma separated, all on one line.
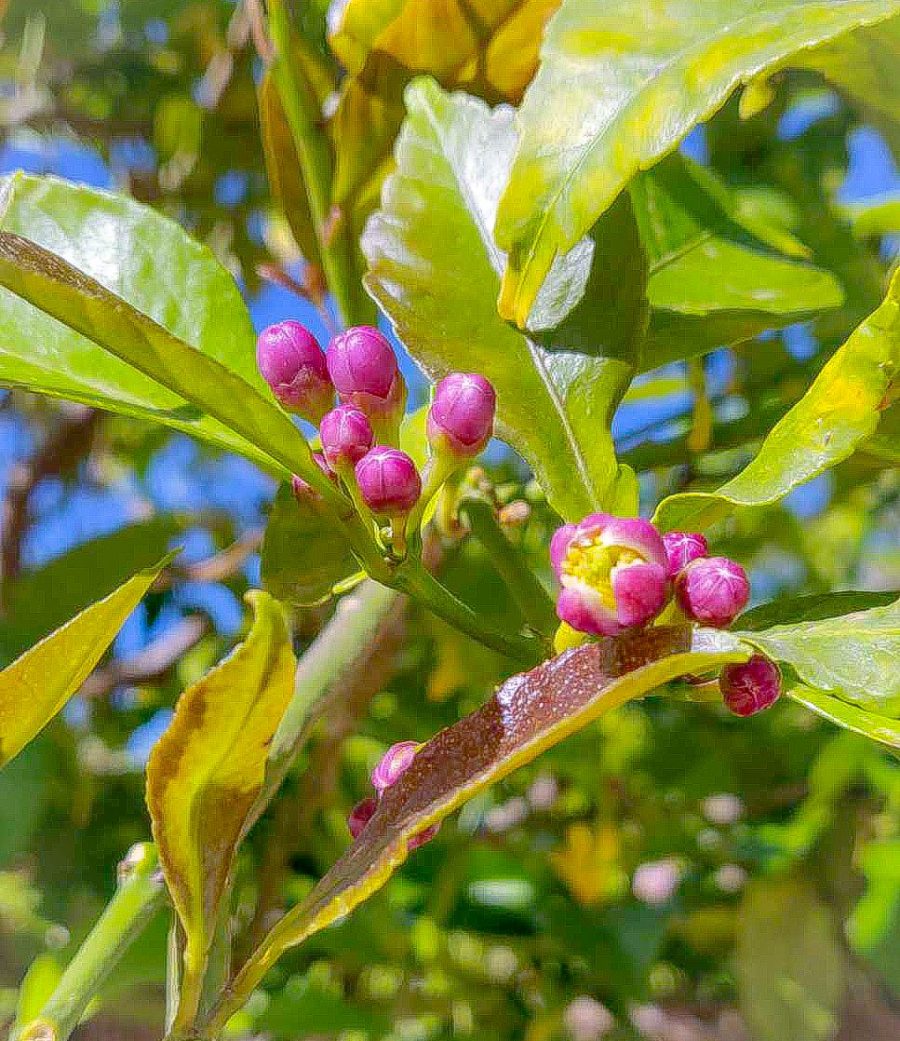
[(712, 590), (292, 363), (388, 481), (346, 435), (461, 417), (751, 686), (393, 764), (360, 816), (682, 547)]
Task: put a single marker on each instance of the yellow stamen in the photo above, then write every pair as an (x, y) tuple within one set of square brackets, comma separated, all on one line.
[(591, 562)]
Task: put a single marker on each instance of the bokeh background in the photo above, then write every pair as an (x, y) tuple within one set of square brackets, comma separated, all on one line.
[(641, 880)]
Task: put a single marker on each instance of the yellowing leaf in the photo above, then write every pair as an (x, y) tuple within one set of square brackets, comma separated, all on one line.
[(37, 685), (205, 774), (838, 412)]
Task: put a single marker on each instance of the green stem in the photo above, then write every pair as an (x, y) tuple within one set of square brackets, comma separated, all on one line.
[(139, 896), (414, 579), (313, 152), (530, 596)]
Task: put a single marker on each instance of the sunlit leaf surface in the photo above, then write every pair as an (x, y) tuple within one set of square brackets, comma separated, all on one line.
[(37, 685), (838, 412), (619, 87)]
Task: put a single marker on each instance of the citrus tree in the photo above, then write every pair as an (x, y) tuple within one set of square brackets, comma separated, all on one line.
[(505, 189)]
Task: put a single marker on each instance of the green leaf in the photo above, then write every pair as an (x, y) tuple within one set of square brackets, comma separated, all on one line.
[(205, 773), (37, 685), (853, 656), (435, 271), (303, 555), (178, 350), (790, 966), (877, 216), (811, 608), (690, 226), (618, 88), (41, 600), (870, 724), (528, 714), (838, 412)]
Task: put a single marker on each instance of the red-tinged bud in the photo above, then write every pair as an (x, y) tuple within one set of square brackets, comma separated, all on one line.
[(302, 489), (388, 481), (292, 363), (612, 571), (461, 417), (712, 590), (346, 435), (682, 547), (393, 764), (752, 686), (424, 836), (360, 816)]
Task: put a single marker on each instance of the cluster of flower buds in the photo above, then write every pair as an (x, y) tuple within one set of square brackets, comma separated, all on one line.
[(617, 574), (392, 766), (360, 435)]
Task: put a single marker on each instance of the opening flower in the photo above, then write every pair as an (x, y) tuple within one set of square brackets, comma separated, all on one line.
[(712, 590), (751, 686), (292, 363), (613, 573)]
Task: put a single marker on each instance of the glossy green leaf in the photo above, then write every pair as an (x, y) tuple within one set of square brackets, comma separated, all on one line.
[(862, 721), (528, 714), (303, 555), (790, 966), (618, 88), (39, 683), (689, 227), (813, 608), (838, 412), (178, 350), (205, 774), (434, 269), (853, 656)]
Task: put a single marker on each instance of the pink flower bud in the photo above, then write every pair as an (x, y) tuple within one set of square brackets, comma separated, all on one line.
[(612, 571), (461, 417), (682, 547), (302, 489), (751, 686), (346, 436), (361, 360), (292, 363), (360, 816), (394, 763), (712, 590), (388, 481)]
